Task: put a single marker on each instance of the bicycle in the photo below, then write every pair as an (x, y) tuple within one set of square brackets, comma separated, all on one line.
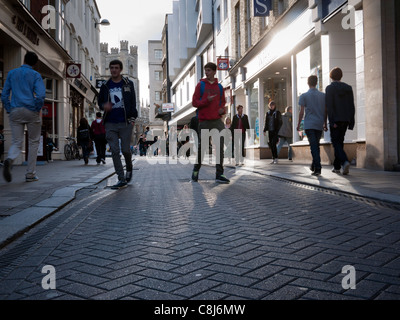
[(71, 150)]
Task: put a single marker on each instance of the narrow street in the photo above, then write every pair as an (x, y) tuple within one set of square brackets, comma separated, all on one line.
[(167, 238)]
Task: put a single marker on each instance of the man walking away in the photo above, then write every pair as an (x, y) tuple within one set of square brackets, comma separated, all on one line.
[(99, 137), (27, 99), (341, 113), (209, 99), (312, 104), (286, 133), (241, 122), (273, 123), (118, 100)]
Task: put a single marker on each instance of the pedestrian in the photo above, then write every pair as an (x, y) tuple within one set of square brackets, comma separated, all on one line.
[(313, 109), (99, 138), (141, 142), (285, 134), (273, 123), (341, 113), (240, 122), (209, 99), (118, 100), (24, 108), (84, 138), (50, 147), (1, 143), (228, 144)]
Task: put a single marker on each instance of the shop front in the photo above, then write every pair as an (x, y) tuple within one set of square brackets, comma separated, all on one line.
[(278, 69)]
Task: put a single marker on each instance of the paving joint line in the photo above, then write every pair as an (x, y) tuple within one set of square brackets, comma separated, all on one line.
[(327, 190)]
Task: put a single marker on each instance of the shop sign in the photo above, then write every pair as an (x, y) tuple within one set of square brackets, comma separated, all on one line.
[(23, 27), (99, 83), (73, 70), (262, 8), (168, 107), (47, 110), (223, 63)]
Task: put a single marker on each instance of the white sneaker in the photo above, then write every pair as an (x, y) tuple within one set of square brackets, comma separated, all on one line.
[(346, 168)]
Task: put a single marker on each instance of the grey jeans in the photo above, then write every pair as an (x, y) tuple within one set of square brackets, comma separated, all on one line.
[(209, 125), (19, 117), (114, 132)]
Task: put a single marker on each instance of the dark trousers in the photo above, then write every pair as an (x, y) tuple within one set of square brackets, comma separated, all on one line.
[(314, 137), (85, 150), (100, 143), (273, 141), (209, 125), (337, 137)]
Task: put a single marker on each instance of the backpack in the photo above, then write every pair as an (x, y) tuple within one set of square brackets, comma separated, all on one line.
[(221, 91)]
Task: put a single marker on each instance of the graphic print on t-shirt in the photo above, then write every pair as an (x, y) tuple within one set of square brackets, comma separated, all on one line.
[(116, 97)]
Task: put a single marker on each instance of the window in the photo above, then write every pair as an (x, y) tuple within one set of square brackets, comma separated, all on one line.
[(238, 40), (158, 95), (26, 3), (248, 23), (218, 19), (158, 75), (225, 9), (158, 54)]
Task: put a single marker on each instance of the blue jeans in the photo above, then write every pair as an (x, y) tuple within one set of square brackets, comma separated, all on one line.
[(289, 141), (314, 137)]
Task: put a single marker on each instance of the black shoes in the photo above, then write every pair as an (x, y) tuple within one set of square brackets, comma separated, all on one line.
[(119, 185), (222, 179), (317, 172), (195, 176), (128, 177), (7, 170)]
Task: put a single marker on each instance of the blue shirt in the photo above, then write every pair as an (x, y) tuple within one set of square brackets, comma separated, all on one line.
[(27, 89), (314, 103), (117, 114)]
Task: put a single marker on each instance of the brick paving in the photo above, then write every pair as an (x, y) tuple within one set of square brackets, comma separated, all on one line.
[(167, 238)]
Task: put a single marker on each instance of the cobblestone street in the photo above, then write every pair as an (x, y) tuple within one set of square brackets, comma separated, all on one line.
[(165, 237)]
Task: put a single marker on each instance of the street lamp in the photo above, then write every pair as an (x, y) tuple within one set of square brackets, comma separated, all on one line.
[(103, 22)]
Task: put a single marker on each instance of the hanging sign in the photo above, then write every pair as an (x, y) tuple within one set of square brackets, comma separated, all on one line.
[(262, 8), (223, 63)]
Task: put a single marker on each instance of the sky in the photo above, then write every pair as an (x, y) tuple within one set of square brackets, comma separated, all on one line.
[(136, 21)]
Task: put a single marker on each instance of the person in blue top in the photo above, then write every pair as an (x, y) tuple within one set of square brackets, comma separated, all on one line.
[(27, 91), (312, 103)]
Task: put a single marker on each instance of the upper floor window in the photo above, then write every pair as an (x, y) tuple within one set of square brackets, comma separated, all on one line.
[(158, 75), (158, 54)]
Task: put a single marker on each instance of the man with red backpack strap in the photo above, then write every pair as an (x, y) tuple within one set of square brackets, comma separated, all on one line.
[(209, 99)]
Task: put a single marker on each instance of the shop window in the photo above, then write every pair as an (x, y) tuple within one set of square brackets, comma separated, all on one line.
[(253, 109), (309, 62)]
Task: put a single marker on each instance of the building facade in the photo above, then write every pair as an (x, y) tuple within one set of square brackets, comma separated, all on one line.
[(60, 32), (156, 76), (271, 57)]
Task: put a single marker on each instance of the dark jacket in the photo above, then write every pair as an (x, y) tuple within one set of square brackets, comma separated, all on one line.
[(277, 121), (235, 122), (128, 94), (340, 103), (84, 135)]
